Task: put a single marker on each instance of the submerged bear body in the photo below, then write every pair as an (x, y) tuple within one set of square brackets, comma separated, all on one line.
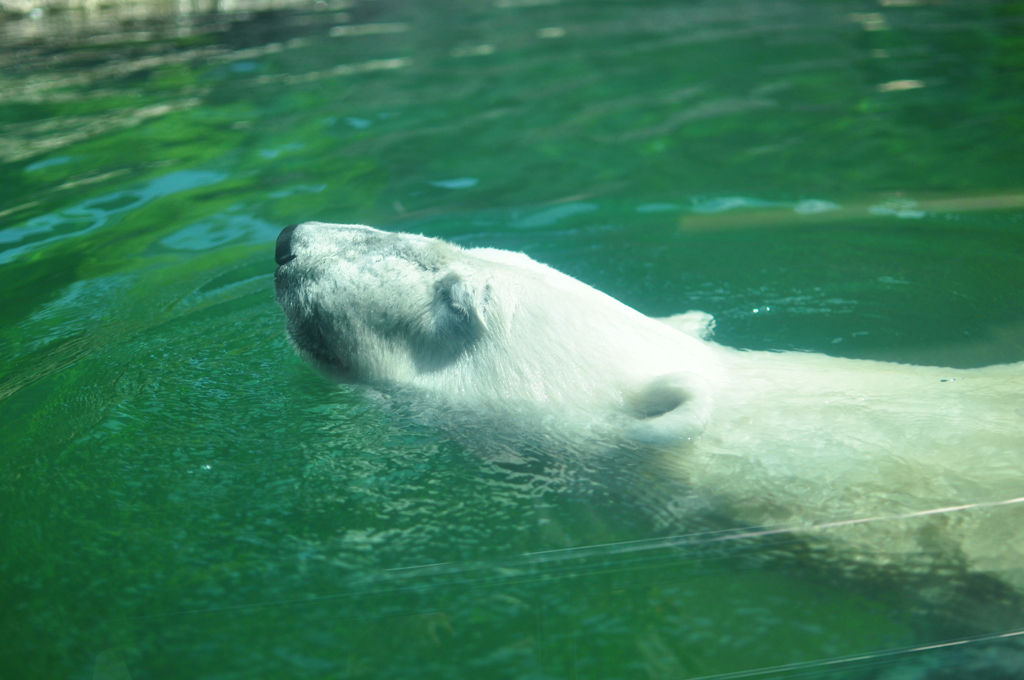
[(893, 459)]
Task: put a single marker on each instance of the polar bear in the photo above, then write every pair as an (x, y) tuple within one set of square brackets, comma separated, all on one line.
[(883, 461)]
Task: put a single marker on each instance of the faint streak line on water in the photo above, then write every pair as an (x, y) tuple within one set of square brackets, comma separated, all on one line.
[(730, 535), (866, 520), (870, 656), (23, 206), (699, 538), (420, 566), (619, 548), (339, 70)]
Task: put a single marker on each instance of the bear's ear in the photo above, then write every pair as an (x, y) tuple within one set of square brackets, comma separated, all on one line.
[(671, 408), (460, 307)]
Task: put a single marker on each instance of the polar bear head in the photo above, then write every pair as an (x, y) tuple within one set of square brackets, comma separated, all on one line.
[(484, 328), (369, 306)]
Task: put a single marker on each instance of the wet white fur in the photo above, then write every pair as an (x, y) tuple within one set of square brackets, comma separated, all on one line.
[(780, 437)]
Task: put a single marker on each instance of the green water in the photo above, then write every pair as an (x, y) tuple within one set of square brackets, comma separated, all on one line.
[(180, 497)]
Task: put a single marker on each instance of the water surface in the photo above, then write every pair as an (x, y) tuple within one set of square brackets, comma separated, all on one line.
[(181, 497)]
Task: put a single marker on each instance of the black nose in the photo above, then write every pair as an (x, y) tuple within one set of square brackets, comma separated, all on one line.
[(283, 252)]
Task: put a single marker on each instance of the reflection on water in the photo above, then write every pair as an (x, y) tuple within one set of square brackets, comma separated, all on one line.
[(221, 230), (180, 497), (95, 213)]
